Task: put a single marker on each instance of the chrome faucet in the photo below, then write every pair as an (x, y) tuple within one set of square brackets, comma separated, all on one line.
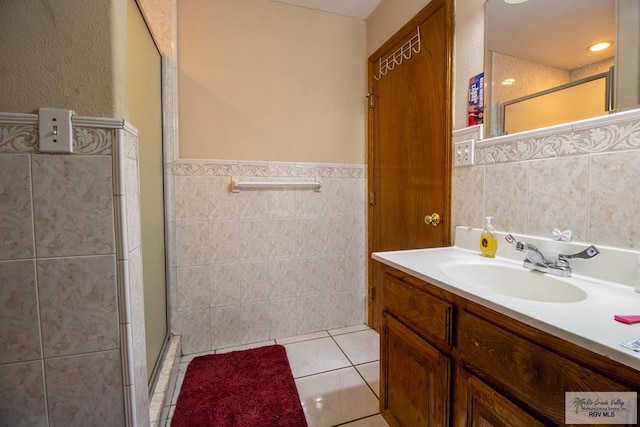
[(535, 260)]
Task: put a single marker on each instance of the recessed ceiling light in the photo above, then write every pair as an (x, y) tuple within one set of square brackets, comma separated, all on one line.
[(596, 47), (508, 82), (514, 1)]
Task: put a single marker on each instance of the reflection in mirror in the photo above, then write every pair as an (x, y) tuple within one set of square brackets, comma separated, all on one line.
[(570, 102), (540, 47)]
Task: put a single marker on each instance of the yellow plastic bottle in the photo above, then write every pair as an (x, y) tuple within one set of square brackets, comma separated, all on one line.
[(488, 240)]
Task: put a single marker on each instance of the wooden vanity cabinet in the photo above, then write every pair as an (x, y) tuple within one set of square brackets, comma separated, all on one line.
[(537, 377), (416, 384), (415, 380), (446, 361)]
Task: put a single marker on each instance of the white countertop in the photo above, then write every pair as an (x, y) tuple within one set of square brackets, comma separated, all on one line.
[(588, 323)]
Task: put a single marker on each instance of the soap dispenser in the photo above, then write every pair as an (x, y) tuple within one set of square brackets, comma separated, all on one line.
[(488, 240)]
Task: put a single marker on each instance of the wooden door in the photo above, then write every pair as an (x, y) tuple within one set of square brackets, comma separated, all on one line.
[(409, 159), (414, 380)]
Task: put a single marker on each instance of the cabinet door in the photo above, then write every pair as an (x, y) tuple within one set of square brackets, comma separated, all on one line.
[(478, 405), (415, 378)]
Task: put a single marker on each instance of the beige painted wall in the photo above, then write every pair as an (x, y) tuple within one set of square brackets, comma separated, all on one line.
[(241, 122), (62, 54), (388, 18), (391, 15), (261, 80)]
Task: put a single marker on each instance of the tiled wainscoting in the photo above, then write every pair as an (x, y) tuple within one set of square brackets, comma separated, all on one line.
[(583, 176), (265, 263), (72, 349)]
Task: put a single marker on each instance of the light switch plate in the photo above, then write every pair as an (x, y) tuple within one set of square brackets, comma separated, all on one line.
[(463, 153), (55, 131)]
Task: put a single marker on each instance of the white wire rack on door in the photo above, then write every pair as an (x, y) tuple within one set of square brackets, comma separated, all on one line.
[(406, 51), (237, 184)]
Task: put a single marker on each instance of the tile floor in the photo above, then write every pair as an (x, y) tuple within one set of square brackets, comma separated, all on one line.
[(336, 372)]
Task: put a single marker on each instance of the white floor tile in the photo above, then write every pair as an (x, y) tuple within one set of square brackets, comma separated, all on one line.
[(315, 356), (371, 374), (360, 347), (298, 338), (182, 369), (335, 397), (348, 330), (245, 347), (375, 421)]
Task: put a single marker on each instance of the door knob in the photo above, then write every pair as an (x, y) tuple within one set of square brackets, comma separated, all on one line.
[(433, 219)]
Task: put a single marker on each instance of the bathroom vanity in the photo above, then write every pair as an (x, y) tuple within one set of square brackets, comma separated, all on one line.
[(459, 354)]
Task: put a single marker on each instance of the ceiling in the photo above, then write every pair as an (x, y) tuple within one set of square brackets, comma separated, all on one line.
[(360, 9), (551, 32)]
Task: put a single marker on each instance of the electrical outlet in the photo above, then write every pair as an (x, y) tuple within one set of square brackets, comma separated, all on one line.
[(463, 153), (54, 128)]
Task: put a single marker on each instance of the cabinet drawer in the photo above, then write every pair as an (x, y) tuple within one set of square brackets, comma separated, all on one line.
[(480, 405), (425, 314), (527, 372)]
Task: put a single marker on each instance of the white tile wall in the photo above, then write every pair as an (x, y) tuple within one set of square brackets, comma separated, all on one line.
[(614, 193), (75, 403), (24, 400), (16, 226), (584, 177), (266, 264), (20, 340), (73, 205), (557, 193), (78, 305), (71, 291)]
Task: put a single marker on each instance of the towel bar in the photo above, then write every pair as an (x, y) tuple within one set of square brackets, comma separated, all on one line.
[(236, 184)]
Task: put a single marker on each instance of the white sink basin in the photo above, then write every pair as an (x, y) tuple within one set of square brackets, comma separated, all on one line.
[(514, 281)]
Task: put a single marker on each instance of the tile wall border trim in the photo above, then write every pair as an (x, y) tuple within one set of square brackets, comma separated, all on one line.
[(124, 141), (80, 121), (18, 137), (472, 132), (18, 119), (91, 135), (192, 167), (613, 133)]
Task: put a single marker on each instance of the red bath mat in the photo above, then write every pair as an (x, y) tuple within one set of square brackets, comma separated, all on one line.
[(242, 388)]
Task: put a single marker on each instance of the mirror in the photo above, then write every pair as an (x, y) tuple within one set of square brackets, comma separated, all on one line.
[(536, 53)]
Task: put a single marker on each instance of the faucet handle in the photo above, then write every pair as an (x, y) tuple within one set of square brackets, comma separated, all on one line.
[(520, 246), (590, 252)]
